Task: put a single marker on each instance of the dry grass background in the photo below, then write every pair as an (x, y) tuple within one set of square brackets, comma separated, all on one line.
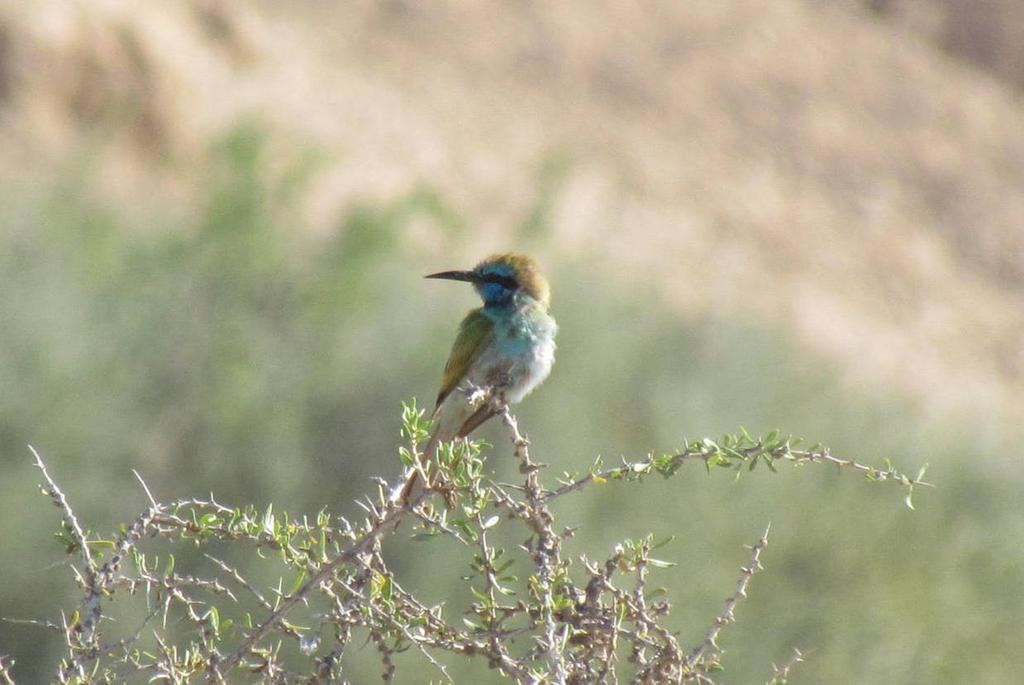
[(808, 164), (848, 173)]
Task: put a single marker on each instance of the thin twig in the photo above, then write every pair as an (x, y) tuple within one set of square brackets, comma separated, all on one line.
[(61, 501), (710, 643), (152, 502), (784, 452), (89, 575), (5, 674), (780, 674)]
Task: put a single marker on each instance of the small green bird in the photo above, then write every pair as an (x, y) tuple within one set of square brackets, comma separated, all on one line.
[(507, 345)]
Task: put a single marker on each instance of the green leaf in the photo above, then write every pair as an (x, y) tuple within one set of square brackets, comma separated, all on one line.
[(466, 529), (422, 536), (299, 580), (213, 618), (662, 542), (268, 520)]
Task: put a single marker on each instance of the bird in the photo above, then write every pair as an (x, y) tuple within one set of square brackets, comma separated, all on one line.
[(507, 346)]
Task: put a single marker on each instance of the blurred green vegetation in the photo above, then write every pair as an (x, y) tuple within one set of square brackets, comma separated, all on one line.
[(244, 355)]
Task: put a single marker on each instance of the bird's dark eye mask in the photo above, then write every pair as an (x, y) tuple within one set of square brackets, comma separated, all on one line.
[(504, 281)]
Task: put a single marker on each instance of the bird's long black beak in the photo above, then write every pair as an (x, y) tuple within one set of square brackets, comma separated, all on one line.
[(455, 276)]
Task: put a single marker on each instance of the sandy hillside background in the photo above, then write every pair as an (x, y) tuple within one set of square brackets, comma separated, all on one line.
[(818, 166), (796, 212)]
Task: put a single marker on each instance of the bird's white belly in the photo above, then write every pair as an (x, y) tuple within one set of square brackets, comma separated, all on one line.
[(513, 375)]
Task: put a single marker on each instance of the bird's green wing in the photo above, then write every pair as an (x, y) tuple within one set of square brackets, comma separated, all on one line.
[(476, 332)]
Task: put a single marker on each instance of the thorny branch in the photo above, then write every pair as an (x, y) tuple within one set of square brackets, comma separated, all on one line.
[(709, 647), (737, 452), (81, 636), (546, 544), (553, 622)]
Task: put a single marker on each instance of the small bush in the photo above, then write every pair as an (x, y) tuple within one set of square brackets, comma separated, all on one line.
[(153, 610)]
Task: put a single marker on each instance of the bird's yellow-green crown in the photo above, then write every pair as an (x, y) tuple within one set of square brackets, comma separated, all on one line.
[(524, 269)]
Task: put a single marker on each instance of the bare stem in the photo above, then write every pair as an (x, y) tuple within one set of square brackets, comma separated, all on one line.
[(710, 644), (781, 673), (547, 552)]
